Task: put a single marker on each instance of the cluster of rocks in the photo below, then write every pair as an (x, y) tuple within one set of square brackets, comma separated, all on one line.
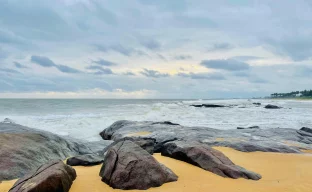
[(269, 106), (127, 162)]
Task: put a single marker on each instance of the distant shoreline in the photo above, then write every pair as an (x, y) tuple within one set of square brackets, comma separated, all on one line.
[(291, 98)]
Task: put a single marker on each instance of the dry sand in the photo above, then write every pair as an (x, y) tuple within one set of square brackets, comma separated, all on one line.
[(142, 133), (280, 173)]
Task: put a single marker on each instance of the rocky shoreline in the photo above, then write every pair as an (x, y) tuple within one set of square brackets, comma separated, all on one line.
[(126, 153)]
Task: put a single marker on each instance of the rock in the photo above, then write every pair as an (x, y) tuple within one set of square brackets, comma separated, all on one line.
[(256, 103), (166, 123), (269, 106), (128, 166), (24, 149), (208, 105), (52, 177), (252, 127), (206, 158), (159, 145), (7, 120), (306, 129), (247, 140), (145, 143), (85, 160)]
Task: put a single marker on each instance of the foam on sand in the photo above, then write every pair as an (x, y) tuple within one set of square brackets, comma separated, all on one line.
[(280, 173)]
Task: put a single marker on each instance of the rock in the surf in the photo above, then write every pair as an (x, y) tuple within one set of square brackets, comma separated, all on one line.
[(269, 106)]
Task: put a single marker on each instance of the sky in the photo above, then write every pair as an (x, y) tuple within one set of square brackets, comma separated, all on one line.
[(177, 49)]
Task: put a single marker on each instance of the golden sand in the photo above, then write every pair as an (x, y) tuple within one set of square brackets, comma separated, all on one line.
[(5, 186), (280, 173), (142, 133)]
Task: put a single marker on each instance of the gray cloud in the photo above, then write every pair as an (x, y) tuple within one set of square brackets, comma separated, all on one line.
[(66, 69), (42, 61), (207, 76), (226, 64), (246, 58), (20, 66), (221, 47), (46, 62), (153, 73), (10, 71), (129, 73), (150, 44), (183, 57), (298, 48), (126, 51), (104, 62), (100, 70)]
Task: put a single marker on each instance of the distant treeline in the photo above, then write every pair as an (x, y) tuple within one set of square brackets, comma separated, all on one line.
[(305, 93)]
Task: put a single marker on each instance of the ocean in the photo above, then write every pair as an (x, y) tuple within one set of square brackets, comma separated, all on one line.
[(85, 118)]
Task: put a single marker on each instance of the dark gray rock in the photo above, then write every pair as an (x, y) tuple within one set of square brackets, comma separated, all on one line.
[(206, 158), (24, 149), (166, 123), (257, 104), (252, 127), (52, 177), (306, 129), (85, 160), (281, 140), (128, 166), (147, 144), (269, 106), (209, 105)]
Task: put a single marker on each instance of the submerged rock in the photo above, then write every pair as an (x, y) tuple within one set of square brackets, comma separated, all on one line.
[(128, 166), (52, 177), (257, 104), (85, 160), (252, 127), (206, 158), (269, 106), (209, 105), (23, 149), (306, 129)]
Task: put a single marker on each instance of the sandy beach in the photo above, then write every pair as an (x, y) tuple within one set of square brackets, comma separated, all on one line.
[(280, 173)]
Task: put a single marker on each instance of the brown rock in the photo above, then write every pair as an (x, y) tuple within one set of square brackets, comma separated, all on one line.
[(128, 166), (52, 177), (206, 158)]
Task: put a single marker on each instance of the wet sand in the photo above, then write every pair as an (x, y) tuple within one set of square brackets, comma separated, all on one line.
[(280, 173)]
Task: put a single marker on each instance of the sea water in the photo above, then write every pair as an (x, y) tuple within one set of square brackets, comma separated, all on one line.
[(85, 118)]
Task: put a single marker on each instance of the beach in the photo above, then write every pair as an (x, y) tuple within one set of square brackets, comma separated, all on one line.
[(280, 173)]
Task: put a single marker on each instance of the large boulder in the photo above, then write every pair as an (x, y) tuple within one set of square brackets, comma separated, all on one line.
[(269, 106), (24, 149), (52, 177), (206, 158), (85, 160), (147, 144), (281, 140), (128, 166)]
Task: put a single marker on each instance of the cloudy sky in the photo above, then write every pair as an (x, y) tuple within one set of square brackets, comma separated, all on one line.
[(154, 48)]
